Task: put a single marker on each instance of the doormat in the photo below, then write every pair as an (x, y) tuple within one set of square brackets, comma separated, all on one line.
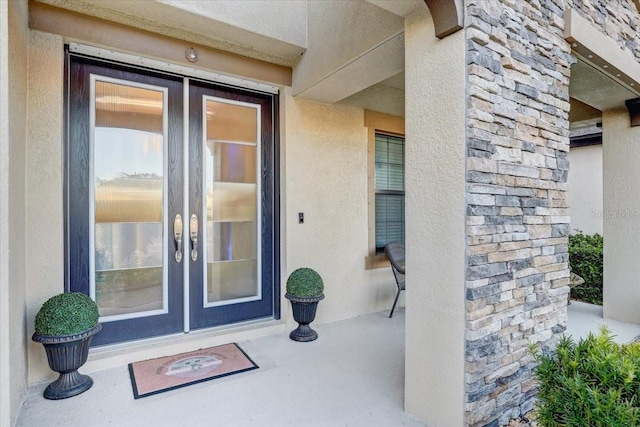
[(155, 376)]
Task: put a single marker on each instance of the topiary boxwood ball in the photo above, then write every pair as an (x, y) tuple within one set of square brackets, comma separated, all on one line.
[(305, 283), (66, 314)]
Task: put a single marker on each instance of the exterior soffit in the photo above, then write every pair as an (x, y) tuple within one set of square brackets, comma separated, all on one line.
[(240, 31), (601, 52), (118, 37), (401, 8)]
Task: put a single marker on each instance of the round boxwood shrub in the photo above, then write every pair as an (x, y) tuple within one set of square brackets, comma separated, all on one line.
[(305, 283), (66, 314)]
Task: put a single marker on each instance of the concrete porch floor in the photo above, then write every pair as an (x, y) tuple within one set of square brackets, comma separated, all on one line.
[(583, 318), (353, 375)]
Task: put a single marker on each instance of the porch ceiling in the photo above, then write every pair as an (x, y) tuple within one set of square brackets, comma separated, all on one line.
[(372, 67), (352, 46), (250, 28), (589, 86), (384, 97), (605, 76), (398, 7)]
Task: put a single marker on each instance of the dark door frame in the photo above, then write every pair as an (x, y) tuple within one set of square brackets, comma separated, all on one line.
[(81, 265)]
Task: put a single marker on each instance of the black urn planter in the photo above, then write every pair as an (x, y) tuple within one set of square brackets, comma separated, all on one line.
[(304, 312), (65, 355)]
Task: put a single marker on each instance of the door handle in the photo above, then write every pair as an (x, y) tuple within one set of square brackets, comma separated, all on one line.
[(193, 232), (177, 235)]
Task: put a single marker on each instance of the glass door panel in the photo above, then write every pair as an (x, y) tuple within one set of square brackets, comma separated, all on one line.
[(125, 185), (129, 134), (230, 169), (231, 181)]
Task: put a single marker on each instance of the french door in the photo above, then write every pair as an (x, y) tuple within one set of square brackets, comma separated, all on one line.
[(171, 204)]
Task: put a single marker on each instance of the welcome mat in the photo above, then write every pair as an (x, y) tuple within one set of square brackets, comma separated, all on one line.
[(155, 376)]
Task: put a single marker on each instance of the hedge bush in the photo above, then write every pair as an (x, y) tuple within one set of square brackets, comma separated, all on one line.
[(585, 259), (592, 383)]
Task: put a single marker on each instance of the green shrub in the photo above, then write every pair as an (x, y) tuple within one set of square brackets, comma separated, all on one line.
[(304, 283), (585, 259), (587, 293), (592, 383), (585, 256), (66, 314)]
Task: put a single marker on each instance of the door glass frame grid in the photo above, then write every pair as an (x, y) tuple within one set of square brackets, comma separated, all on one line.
[(203, 213), (165, 208)]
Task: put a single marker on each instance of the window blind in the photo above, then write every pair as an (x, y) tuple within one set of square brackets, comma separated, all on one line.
[(389, 190)]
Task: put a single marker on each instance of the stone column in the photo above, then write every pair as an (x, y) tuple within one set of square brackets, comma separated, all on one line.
[(518, 67)]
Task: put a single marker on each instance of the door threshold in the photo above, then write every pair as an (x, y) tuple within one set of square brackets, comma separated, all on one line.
[(115, 355)]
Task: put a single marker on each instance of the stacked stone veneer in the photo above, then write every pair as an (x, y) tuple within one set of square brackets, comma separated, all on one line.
[(518, 69)]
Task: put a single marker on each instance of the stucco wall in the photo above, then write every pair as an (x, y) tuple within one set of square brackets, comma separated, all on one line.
[(324, 161), (435, 232), (621, 154), (325, 177), (5, 327), (44, 169), (585, 189), (13, 134), (5, 330)]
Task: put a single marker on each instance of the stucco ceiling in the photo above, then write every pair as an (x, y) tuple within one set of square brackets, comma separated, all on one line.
[(250, 28), (590, 86), (398, 7), (581, 113), (396, 81), (590, 90)]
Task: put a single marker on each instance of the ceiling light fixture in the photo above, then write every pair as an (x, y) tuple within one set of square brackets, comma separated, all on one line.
[(191, 54)]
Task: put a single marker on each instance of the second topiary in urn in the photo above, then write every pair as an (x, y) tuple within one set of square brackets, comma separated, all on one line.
[(66, 314), (65, 325), (304, 290)]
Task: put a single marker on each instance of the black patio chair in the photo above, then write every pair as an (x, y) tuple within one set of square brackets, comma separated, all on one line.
[(395, 253)]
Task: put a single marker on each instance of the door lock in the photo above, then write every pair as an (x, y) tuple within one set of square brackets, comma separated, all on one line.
[(193, 231), (177, 235)]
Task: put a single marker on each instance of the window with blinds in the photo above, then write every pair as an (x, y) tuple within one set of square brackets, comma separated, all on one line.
[(389, 190)]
